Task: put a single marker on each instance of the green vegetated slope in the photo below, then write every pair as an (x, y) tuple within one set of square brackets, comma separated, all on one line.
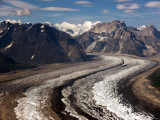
[(155, 78), (7, 64)]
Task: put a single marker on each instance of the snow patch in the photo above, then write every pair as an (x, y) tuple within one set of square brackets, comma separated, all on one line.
[(141, 27), (29, 28), (8, 46), (42, 30), (91, 46), (42, 26), (121, 37), (101, 38), (32, 57)]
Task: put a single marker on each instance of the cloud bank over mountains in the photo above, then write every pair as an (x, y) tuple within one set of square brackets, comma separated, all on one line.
[(75, 29), (13, 21)]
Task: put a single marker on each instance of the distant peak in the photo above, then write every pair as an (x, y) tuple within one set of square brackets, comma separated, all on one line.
[(117, 21), (141, 27), (48, 23), (151, 26)]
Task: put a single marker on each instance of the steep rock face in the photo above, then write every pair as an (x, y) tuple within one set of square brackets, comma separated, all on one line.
[(108, 27), (150, 31), (151, 37), (39, 44), (115, 37), (132, 28)]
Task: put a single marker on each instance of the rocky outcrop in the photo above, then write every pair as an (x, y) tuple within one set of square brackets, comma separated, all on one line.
[(108, 27), (116, 37), (39, 44), (4, 25)]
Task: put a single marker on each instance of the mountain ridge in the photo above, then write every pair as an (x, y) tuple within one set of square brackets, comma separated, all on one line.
[(115, 37), (39, 44)]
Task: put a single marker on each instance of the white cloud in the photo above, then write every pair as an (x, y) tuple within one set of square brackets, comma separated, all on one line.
[(129, 11), (83, 2), (21, 12), (20, 4), (130, 6), (13, 21), (122, 0), (88, 5), (105, 11), (76, 29), (8, 10), (58, 9), (154, 4)]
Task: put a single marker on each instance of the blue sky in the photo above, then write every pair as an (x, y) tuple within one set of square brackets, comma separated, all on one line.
[(133, 12)]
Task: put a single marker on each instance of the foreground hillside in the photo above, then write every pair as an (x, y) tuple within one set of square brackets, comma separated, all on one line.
[(155, 78), (115, 37), (39, 44), (7, 64)]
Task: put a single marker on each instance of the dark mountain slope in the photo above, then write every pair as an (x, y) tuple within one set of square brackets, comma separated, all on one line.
[(7, 64), (40, 44), (115, 37)]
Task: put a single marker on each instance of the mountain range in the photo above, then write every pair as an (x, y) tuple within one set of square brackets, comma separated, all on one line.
[(115, 37), (38, 44), (43, 44)]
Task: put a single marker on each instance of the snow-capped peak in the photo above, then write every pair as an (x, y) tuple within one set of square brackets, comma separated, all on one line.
[(27, 23), (141, 27), (48, 23), (13, 21), (75, 29)]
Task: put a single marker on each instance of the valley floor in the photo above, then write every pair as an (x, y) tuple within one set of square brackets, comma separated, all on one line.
[(97, 89)]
